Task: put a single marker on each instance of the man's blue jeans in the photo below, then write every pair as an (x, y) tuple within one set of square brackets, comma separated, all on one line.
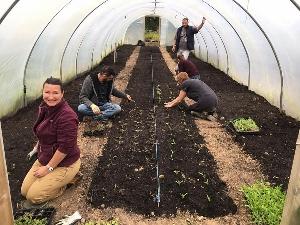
[(107, 110)]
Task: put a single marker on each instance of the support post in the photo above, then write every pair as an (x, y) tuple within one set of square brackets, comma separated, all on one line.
[(5, 200), (291, 210), (115, 56)]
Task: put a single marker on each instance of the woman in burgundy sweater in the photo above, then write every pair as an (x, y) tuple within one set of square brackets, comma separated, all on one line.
[(58, 154)]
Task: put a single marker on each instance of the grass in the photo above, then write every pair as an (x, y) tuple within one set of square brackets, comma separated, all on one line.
[(265, 203), (152, 35)]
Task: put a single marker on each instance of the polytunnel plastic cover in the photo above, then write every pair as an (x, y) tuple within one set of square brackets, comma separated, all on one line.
[(254, 42)]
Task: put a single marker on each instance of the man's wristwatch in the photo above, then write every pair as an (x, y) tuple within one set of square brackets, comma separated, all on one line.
[(49, 168)]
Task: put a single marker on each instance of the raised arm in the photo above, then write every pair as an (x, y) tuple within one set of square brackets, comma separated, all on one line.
[(201, 25)]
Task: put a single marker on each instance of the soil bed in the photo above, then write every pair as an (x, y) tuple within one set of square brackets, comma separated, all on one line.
[(17, 130), (275, 145), (274, 148), (126, 174)]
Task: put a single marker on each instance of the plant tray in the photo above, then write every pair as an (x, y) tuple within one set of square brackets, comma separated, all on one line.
[(42, 213), (94, 129), (232, 128)]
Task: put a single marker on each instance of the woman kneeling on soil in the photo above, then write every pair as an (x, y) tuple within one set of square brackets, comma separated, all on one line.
[(58, 154), (205, 98)]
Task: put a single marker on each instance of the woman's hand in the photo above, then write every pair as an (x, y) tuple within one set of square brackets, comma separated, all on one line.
[(41, 172)]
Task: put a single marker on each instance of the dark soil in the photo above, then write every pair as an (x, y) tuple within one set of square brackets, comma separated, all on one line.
[(275, 146), (17, 130), (126, 174)]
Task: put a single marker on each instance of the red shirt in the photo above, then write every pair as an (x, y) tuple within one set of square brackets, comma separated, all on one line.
[(56, 128), (188, 67)]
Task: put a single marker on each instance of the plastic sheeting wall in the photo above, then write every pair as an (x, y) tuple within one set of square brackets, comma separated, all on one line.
[(135, 32), (254, 42), (167, 32)]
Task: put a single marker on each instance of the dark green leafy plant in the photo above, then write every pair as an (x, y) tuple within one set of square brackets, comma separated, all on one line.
[(265, 203), (27, 219)]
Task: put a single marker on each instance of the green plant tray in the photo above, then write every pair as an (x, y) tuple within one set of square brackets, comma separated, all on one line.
[(42, 213), (232, 128)]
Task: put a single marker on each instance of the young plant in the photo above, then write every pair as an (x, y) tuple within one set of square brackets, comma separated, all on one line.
[(183, 195), (172, 152), (208, 198), (27, 219), (265, 203), (173, 142), (242, 124), (179, 182), (158, 93), (111, 222)]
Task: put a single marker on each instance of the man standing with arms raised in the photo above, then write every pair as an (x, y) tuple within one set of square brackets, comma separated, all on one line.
[(184, 38)]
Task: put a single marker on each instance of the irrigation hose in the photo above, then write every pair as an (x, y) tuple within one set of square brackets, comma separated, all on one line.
[(157, 198)]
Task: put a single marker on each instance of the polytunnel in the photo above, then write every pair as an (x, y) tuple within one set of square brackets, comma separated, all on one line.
[(254, 42)]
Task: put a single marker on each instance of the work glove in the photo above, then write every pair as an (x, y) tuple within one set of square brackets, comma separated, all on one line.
[(32, 153), (95, 109), (69, 219)]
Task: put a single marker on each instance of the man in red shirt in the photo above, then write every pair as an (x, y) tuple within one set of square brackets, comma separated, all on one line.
[(185, 65)]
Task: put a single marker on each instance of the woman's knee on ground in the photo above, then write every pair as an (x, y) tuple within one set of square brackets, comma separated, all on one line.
[(24, 189), (38, 195)]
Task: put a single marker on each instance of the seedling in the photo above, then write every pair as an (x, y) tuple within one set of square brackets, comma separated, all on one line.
[(158, 93), (183, 195), (208, 198), (245, 125), (179, 182), (173, 142), (176, 171), (206, 182), (172, 152), (265, 203), (27, 219), (111, 222)]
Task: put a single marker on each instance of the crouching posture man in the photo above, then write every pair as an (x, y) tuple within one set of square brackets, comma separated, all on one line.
[(205, 98), (95, 96)]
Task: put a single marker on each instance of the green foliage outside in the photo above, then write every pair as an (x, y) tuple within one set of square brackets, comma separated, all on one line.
[(265, 203), (111, 222), (27, 219), (154, 36), (152, 29), (242, 124), (151, 24)]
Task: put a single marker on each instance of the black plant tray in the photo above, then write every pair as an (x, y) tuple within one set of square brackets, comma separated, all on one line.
[(231, 127), (42, 213)]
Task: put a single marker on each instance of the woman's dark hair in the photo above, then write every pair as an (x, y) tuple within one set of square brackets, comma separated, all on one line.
[(54, 81), (108, 71)]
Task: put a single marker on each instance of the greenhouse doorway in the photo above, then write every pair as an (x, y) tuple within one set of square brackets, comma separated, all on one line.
[(152, 28)]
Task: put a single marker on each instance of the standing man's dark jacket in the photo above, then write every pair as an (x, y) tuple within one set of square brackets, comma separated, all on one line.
[(95, 92), (190, 31)]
